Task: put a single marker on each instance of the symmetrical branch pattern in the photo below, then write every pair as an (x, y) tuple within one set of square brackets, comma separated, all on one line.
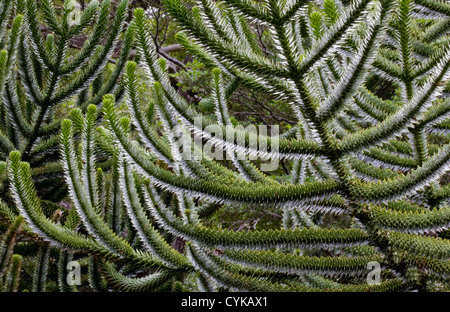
[(139, 203)]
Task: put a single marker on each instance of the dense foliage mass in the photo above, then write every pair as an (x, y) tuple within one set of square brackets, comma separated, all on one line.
[(106, 179)]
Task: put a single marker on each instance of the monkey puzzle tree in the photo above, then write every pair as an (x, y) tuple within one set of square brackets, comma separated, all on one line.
[(376, 161), (40, 76)]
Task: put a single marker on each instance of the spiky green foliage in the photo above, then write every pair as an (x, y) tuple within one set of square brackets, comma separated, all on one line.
[(375, 162), (42, 77), (10, 264)]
